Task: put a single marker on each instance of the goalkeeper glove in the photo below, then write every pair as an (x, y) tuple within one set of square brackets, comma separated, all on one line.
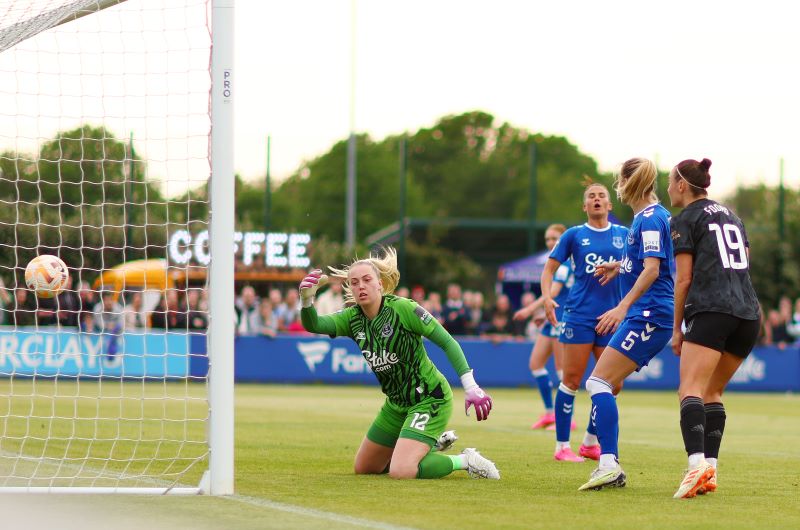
[(474, 396), (308, 287)]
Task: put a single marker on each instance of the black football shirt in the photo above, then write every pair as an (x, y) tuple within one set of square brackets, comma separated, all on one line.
[(717, 240)]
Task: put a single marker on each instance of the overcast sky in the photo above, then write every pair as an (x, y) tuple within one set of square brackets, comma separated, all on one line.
[(668, 80)]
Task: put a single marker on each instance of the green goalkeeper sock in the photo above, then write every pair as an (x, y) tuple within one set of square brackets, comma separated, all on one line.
[(435, 465)]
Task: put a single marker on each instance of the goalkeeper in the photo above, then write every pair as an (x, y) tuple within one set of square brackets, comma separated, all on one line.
[(389, 331)]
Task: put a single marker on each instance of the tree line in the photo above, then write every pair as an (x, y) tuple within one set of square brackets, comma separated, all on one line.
[(72, 194)]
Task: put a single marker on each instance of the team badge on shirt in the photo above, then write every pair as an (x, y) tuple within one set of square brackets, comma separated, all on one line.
[(617, 242), (387, 330)]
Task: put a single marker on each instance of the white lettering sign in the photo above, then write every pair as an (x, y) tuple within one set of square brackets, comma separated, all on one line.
[(278, 248)]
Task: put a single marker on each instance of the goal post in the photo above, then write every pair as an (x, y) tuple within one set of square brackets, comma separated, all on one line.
[(222, 188), (116, 154)]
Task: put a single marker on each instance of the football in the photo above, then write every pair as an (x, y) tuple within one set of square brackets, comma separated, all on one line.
[(46, 275)]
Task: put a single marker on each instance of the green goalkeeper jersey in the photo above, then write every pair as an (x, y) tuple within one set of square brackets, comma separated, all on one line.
[(392, 345)]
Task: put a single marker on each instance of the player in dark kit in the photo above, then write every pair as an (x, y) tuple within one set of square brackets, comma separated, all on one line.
[(389, 330), (716, 300)]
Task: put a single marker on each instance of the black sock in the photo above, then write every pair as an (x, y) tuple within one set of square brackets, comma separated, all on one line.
[(715, 426), (693, 421)]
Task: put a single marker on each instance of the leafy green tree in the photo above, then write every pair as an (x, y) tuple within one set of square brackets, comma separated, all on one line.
[(774, 259), (70, 198), (463, 166)]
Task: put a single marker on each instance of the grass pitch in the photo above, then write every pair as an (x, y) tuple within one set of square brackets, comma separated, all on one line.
[(295, 444), (295, 447)]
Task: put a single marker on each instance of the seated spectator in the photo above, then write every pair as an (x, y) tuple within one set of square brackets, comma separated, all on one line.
[(46, 314), (291, 318), (501, 305), (5, 302), (418, 295), (332, 300), (475, 316), (434, 306), (454, 312), (268, 326), (402, 292), (794, 327), (133, 314), (87, 297), (196, 316), (167, 314), (775, 330), (24, 310), (500, 327), (86, 322), (107, 314), (529, 327), (69, 306), (247, 319), (278, 305)]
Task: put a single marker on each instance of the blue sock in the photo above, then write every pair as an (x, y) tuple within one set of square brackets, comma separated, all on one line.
[(592, 427), (545, 387), (565, 399), (607, 422)]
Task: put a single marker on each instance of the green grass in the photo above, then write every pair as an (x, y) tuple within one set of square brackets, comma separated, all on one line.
[(295, 445)]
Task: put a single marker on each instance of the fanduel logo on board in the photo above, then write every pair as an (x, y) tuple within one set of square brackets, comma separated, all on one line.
[(314, 353)]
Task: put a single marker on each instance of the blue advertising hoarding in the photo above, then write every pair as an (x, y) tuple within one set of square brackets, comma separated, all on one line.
[(311, 358), (58, 351)]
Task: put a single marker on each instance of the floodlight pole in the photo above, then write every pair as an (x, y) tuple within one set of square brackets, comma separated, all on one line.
[(401, 221), (350, 214), (268, 189), (532, 198)]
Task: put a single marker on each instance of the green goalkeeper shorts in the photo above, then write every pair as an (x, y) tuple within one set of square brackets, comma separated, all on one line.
[(425, 422)]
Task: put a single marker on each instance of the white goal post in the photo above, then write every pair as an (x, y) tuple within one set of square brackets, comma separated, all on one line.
[(116, 132)]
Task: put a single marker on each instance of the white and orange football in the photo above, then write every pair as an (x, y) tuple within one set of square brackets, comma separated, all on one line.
[(46, 275)]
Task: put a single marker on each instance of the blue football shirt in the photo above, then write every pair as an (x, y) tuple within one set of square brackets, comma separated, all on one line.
[(649, 237), (588, 247)]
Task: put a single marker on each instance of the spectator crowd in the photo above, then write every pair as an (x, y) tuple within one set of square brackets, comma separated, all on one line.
[(461, 312)]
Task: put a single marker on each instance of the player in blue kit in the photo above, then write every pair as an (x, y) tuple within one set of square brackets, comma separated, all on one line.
[(547, 342), (642, 321), (591, 244)]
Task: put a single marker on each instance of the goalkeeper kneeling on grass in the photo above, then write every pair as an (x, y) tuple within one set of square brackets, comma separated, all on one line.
[(389, 330)]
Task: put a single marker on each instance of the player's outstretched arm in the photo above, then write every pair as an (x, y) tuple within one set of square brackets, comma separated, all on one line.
[(474, 395), (308, 314)]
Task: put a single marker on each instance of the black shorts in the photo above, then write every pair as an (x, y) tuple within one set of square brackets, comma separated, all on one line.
[(723, 332)]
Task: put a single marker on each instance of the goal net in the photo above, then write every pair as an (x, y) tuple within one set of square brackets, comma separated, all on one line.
[(105, 128)]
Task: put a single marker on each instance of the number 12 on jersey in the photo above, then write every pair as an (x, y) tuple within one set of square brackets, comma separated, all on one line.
[(731, 246)]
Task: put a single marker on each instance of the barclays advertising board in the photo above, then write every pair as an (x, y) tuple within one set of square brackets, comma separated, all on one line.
[(55, 351), (310, 358)]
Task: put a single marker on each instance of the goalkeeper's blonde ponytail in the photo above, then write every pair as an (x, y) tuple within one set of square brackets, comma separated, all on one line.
[(385, 268)]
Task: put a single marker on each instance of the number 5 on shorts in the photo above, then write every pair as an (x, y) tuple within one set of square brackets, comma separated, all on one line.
[(627, 343), (631, 337)]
